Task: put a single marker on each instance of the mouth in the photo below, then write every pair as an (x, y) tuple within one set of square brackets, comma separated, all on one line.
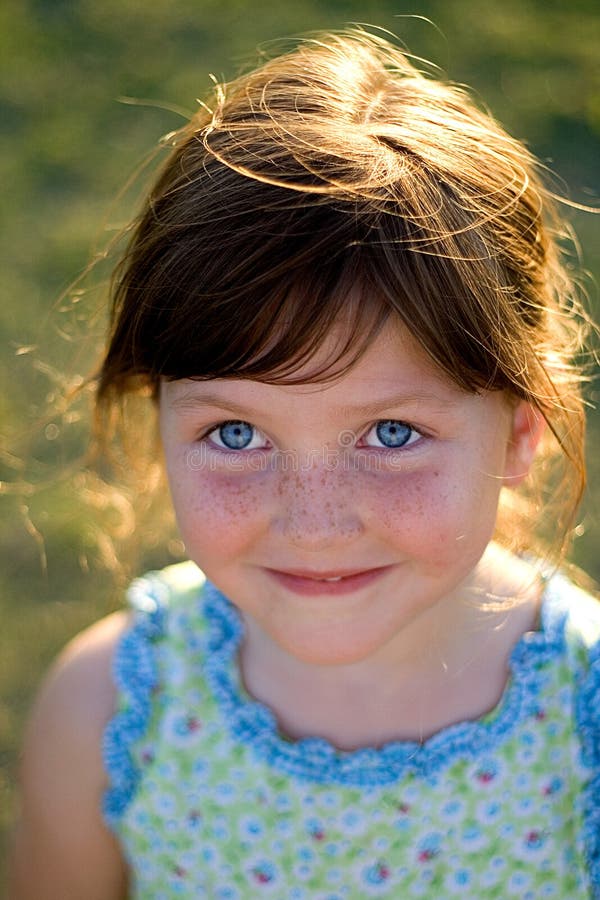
[(330, 582)]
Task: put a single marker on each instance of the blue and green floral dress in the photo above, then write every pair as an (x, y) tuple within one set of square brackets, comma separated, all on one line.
[(209, 801)]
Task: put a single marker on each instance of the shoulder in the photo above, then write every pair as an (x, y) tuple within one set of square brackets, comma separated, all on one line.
[(77, 696), (62, 848), (82, 673)]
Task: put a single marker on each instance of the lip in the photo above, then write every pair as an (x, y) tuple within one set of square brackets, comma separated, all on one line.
[(309, 583)]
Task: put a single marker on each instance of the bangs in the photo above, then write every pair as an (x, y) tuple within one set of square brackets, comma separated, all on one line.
[(252, 290), (270, 328), (247, 292)]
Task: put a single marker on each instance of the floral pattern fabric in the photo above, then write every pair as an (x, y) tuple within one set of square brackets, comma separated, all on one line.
[(210, 801)]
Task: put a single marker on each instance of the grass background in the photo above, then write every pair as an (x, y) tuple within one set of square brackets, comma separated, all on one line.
[(69, 141)]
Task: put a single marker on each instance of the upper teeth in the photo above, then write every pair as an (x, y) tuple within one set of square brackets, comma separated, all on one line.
[(337, 578)]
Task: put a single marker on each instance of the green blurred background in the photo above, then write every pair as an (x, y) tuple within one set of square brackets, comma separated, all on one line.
[(68, 144)]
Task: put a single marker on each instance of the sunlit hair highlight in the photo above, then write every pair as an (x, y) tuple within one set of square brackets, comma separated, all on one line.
[(338, 183)]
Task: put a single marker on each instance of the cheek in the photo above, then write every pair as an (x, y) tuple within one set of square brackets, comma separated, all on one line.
[(216, 513), (406, 503), (429, 512)]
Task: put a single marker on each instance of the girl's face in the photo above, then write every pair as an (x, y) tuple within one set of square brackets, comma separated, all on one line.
[(335, 515)]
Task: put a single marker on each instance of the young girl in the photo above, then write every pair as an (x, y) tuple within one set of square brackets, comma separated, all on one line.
[(345, 301)]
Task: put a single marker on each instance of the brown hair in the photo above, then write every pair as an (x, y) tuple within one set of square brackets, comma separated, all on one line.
[(339, 181)]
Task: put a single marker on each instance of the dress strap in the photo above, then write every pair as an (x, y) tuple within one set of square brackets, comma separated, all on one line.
[(588, 722), (135, 676)]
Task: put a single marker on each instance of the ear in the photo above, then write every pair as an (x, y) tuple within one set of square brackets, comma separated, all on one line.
[(528, 425)]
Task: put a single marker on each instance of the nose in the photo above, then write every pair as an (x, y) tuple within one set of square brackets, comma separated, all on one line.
[(317, 509)]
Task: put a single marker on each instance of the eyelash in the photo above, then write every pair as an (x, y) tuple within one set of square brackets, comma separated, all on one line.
[(415, 437)]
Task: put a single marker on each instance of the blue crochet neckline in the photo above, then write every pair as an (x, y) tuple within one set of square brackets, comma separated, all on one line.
[(316, 759)]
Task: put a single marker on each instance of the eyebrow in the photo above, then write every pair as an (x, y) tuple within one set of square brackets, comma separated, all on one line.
[(196, 400)]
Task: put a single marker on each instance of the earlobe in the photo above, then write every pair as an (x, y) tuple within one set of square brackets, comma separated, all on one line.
[(528, 425)]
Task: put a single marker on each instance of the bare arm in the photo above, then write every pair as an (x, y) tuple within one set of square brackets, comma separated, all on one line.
[(62, 850)]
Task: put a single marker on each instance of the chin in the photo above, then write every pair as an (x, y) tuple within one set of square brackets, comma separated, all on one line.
[(330, 653)]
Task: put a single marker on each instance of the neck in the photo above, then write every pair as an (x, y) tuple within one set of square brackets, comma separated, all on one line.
[(449, 665)]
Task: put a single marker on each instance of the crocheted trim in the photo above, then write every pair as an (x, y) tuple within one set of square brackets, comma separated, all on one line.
[(588, 723), (317, 760), (135, 675)]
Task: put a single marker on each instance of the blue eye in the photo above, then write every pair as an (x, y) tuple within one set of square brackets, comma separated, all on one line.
[(394, 434), (236, 435)]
